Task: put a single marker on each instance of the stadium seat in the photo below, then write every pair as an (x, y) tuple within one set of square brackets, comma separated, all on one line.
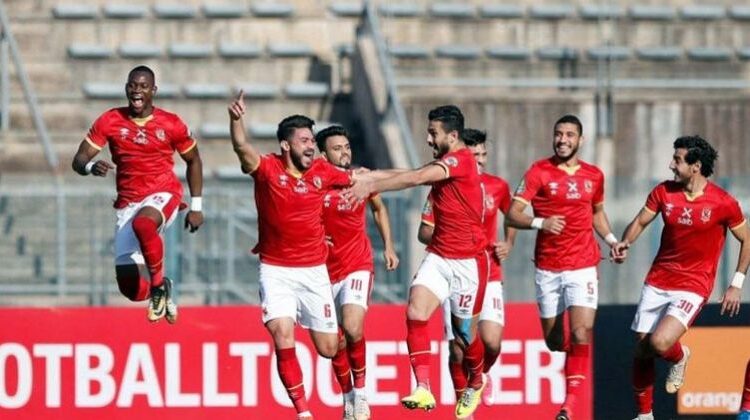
[(659, 53), (652, 12), (263, 130), (239, 50), (89, 51), (346, 9), (258, 90), (502, 52), (74, 11), (272, 10), (289, 50), (95, 90), (743, 53), (601, 11), (458, 52), (139, 51), (402, 9), (166, 90), (452, 10), (124, 11), (223, 10), (551, 11), (307, 90), (557, 53), (230, 172), (709, 54), (408, 51), (501, 11), (182, 50), (614, 53), (206, 91), (702, 12), (174, 11), (214, 130), (740, 12)]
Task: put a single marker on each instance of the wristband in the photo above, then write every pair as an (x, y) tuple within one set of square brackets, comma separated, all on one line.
[(89, 167), (537, 223), (737, 280), (610, 239), (196, 204)]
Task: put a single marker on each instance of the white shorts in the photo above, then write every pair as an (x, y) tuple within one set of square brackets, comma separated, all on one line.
[(301, 293), (353, 290), (127, 247), (492, 308), (656, 303), (454, 280), (556, 291)]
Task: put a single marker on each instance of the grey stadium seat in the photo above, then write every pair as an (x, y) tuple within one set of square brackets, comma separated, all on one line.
[(214, 130), (740, 12), (124, 11), (652, 12), (183, 50), (272, 10), (346, 9), (89, 51), (408, 51), (709, 54), (401, 9), (139, 51), (614, 53), (452, 10), (601, 11), (557, 53), (166, 90), (240, 50), (743, 53), (702, 12), (223, 10), (96, 90), (263, 130), (659, 53), (230, 172), (258, 90), (174, 11), (285, 50), (551, 11), (501, 11), (503, 52), (206, 91), (74, 11), (458, 52), (307, 90)]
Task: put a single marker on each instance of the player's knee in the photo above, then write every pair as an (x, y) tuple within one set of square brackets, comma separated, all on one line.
[(416, 313), (660, 344), (328, 348), (492, 347), (580, 335), (353, 331)]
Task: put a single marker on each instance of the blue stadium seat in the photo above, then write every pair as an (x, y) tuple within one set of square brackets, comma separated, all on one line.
[(659, 53), (402, 9), (557, 53), (652, 12), (74, 11), (551, 11), (214, 130), (206, 91), (124, 11), (408, 51), (612, 52), (139, 51), (272, 10), (601, 11), (307, 90), (184, 50), (263, 130), (89, 51), (709, 54), (740, 12), (174, 11), (503, 52), (458, 52), (452, 10), (289, 50), (223, 10), (703, 12), (501, 11), (239, 50), (258, 90), (346, 9)]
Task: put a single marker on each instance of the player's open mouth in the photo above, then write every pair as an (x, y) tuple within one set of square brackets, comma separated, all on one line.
[(136, 101), (309, 153)]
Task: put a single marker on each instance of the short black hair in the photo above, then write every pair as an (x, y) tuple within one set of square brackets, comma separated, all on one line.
[(571, 119), (142, 69), (473, 137), (450, 116), (323, 135), (698, 149), (289, 124)]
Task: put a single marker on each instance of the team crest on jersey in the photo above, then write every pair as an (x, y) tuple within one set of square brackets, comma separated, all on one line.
[(160, 134), (140, 137), (668, 209), (553, 186), (706, 214), (124, 133), (451, 161), (317, 182), (588, 186), (687, 217), (489, 202), (573, 193), (283, 180)]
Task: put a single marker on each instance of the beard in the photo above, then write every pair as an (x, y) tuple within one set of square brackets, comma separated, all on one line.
[(300, 161), (573, 152)]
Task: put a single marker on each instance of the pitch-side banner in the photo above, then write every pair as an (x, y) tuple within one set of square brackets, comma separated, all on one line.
[(218, 363)]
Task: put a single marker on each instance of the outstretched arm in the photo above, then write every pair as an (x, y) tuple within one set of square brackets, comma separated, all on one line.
[(83, 161), (248, 155), (369, 183), (730, 302), (382, 221)]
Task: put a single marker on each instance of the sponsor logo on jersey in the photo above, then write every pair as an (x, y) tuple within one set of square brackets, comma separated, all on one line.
[(668, 208), (687, 217), (300, 187), (573, 193), (140, 137)]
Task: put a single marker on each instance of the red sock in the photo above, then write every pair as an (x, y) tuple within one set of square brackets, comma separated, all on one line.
[(341, 369), (490, 357), (474, 362), (746, 390), (643, 384), (152, 247), (674, 354), (358, 361), (458, 375), (419, 350), (576, 368), (291, 376)]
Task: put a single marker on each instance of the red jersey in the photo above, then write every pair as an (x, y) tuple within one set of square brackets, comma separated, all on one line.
[(572, 193), (142, 149), (693, 236), (290, 211), (497, 198), (457, 203), (345, 229)]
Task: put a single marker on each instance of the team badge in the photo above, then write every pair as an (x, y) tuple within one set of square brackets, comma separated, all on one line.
[(124, 133), (317, 182), (706, 215), (160, 134), (588, 186), (489, 202), (451, 161)]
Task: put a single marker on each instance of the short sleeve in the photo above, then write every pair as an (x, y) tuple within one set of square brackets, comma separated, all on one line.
[(655, 199), (182, 138), (97, 135), (529, 186), (261, 172), (428, 217), (336, 177), (598, 197), (734, 217), (456, 165)]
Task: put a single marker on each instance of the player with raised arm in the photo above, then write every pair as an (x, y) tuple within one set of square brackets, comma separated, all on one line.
[(696, 215), (142, 140), (294, 284), (567, 196)]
